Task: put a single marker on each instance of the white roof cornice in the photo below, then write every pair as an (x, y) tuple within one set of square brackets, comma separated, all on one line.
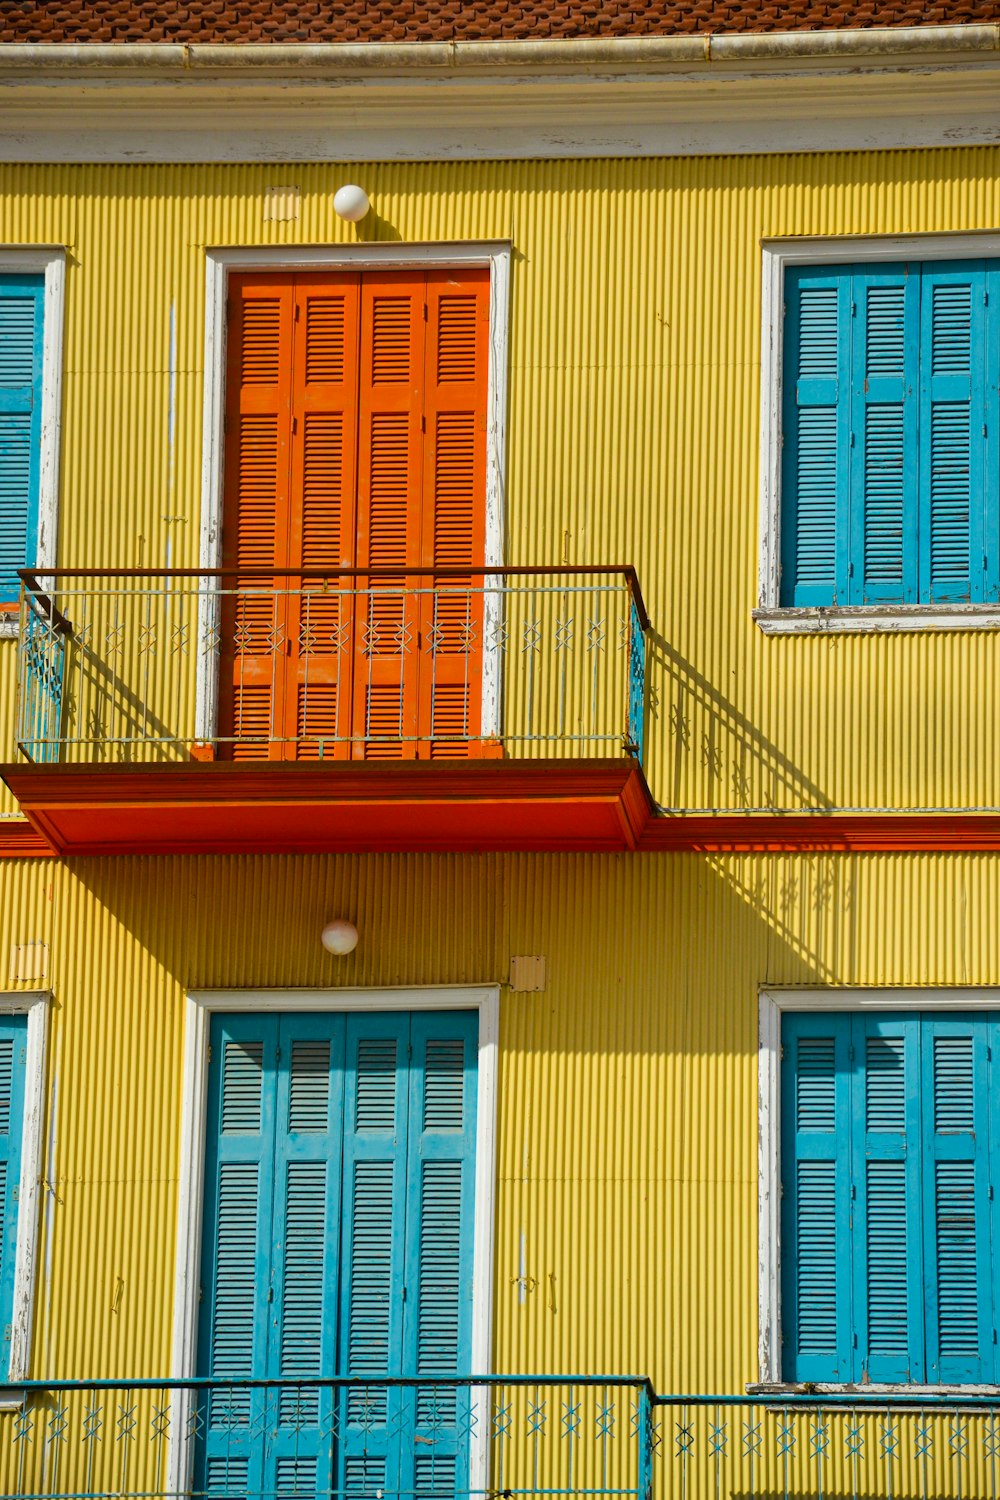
[(643, 96)]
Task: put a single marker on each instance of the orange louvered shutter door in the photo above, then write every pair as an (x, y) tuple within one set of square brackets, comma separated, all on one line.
[(388, 518), (324, 478), (254, 688), (454, 511)]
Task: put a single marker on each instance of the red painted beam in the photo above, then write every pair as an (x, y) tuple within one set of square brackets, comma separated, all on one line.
[(283, 807), (829, 833)]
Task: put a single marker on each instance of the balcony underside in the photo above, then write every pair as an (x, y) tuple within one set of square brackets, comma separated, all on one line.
[(287, 808)]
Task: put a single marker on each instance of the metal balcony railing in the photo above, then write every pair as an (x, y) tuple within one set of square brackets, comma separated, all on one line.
[(359, 1439), (448, 1438), (141, 665)]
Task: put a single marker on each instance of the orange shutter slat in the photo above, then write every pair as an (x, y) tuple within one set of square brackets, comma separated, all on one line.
[(324, 483), (454, 512), (391, 373), (252, 698)]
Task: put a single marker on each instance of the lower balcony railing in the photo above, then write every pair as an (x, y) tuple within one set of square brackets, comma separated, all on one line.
[(441, 1438), (145, 666)]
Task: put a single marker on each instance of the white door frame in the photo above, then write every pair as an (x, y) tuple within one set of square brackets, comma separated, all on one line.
[(468, 255), (201, 1005)]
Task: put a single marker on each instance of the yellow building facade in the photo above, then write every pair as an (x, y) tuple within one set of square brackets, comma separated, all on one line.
[(627, 1230)]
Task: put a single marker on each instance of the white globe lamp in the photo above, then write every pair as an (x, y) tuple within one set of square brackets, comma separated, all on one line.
[(351, 203), (340, 937)]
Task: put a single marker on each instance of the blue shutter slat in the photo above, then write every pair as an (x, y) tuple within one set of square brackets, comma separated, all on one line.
[(816, 1283), (305, 1270), (21, 302), (236, 1251), (376, 1123), (957, 1269), (309, 1085), (815, 438), (885, 1166), (242, 1087), (956, 1203), (297, 1476), (882, 483), (13, 1035), (883, 500), (953, 437), (436, 1478), (437, 1332), (816, 1261), (886, 1230), (953, 1083), (303, 1285), (226, 1478)]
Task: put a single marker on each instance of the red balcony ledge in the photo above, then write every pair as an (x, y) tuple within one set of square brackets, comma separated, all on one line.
[(282, 808)]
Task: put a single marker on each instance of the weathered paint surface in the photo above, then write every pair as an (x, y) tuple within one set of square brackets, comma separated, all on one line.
[(633, 431)]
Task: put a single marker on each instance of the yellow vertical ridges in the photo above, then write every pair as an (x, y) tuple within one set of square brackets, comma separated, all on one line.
[(634, 358), (626, 1140)]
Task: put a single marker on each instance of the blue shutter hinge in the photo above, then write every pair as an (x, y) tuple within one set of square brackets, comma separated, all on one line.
[(984, 429), (16, 1193), (277, 1054), (854, 309), (994, 1335), (855, 1340), (991, 1192), (270, 1294), (404, 1293), (852, 440), (210, 1052), (782, 1052), (854, 1192), (986, 299)]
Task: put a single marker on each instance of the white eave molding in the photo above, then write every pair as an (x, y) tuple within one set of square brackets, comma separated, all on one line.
[(643, 96)]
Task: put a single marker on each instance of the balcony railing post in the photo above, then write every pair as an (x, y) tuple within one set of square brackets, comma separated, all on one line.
[(636, 682)]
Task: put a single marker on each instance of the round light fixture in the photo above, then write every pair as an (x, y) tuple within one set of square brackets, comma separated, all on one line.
[(340, 937), (351, 202)]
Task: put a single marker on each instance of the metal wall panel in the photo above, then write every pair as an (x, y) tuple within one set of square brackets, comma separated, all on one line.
[(633, 433), (626, 1222)]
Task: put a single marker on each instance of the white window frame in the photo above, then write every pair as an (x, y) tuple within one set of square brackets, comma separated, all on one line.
[(50, 260), (201, 1005), (772, 1003), (35, 1005), (220, 263), (772, 617)]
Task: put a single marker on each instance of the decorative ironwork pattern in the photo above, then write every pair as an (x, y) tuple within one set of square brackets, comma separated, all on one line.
[(145, 667)]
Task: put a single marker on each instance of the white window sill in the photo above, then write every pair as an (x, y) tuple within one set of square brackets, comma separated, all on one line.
[(878, 617), (911, 1393)]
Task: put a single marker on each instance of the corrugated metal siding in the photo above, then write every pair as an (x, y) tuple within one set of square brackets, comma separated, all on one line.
[(627, 1133), (627, 1137), (633, 422)]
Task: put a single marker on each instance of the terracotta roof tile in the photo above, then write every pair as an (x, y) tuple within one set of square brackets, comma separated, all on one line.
[(452, 20)]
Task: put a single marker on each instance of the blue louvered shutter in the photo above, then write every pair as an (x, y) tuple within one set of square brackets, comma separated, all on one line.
[(886, 1177), (372, 1244), (956, 1199), (13, 1037), (816, 1204), (437, 1333), (885, 349), (815, 438), (954, 432), (305, 1249), (236, 1261), (21, 304)]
